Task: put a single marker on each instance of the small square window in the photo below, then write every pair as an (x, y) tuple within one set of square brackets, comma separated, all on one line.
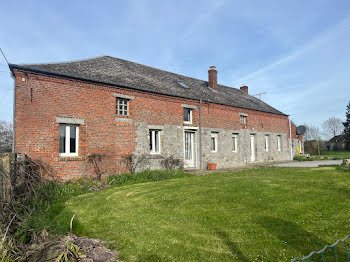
[(234, 143), (122, 106), (68, 140), (154, 141), (243, 119), (214, 142), (187, 116)]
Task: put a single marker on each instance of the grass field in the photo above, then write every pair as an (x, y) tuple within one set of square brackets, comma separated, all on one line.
[(328, 155), (266, 214), (340, 153)]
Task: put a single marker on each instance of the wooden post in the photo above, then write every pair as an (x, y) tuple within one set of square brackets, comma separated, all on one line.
[(12, 175), (2, 174)]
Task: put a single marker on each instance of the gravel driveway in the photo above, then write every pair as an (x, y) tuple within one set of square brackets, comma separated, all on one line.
[(311, 163)]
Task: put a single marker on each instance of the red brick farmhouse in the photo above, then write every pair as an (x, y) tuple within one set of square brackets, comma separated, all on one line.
[(138, 117)]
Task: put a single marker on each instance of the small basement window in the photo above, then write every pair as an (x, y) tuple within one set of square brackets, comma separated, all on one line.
[(69, 140), (187, 115), (154, 141), (122, 106)]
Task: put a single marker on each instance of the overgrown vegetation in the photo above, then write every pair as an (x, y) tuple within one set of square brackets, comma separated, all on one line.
[(48, 202)]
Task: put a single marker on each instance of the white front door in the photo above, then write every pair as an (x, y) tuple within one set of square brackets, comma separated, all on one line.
[(252, 148), (189, 149)]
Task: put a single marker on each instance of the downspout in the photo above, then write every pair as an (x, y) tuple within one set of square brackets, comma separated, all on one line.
[(200, 134), (290, 140), (14, 113)]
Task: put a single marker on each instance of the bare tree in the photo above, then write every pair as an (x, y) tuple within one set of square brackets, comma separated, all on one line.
[(332, 127), (312, 133), (5, 136)]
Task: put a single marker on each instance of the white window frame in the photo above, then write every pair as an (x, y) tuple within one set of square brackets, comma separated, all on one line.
[(267, 143), (234, 143), (122, 102), (279, 143), (190, 116), (215, 136), (153, 141), (67, 141), (243, 119)]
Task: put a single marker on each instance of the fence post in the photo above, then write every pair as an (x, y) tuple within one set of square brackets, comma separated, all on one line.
[(1, 186), (12, 175)]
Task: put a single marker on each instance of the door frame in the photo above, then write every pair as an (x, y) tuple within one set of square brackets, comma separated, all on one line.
[(193, 163), (252, 148)]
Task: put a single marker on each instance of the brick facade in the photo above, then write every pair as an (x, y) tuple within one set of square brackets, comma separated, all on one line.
[(40, 99)]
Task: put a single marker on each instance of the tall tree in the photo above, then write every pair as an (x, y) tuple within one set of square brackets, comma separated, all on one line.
[(5, 136), (347, 126), (332, 127)]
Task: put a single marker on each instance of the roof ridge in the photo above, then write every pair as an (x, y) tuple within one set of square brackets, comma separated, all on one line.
[(63, 62), (197, 79)]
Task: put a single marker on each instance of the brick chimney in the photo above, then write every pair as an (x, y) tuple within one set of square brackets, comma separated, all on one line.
[(213, 77), (244, 89)]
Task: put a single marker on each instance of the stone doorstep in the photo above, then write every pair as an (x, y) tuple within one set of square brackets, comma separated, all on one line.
[(200, 172)]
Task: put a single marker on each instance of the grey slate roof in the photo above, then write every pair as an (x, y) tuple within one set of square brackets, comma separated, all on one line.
[(119, 72)]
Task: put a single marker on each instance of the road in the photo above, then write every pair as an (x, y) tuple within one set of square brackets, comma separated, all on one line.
[(310, 163)]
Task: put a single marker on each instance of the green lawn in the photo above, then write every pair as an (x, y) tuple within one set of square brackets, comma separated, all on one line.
[(266, 214), (328, 155), (340, 153)]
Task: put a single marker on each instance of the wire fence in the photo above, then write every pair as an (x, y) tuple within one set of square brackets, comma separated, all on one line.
[(329, 251)]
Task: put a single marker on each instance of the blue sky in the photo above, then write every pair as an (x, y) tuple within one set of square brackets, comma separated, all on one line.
[(295, 51)]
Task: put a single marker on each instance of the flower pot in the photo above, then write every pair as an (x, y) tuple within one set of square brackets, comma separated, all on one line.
[(211, 166)]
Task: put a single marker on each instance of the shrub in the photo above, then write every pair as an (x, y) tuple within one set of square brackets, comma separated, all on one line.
[(314, 147), (144, 176)]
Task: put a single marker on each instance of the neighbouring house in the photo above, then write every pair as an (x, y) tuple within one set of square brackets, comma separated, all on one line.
[(336, 143), (138, 117)]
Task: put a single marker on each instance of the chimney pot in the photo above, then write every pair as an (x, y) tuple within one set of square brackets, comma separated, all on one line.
[(213, 77), (244, 89)]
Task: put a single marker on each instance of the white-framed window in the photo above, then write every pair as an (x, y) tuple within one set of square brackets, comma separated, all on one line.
[(69, 140), (267, 143), (278, 143), (122, 106), (243, 119), (187, 115), (234, 143), (154, 141), (214, 142)]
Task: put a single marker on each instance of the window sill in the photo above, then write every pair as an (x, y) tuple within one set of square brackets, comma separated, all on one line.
[(70, 158), (187, 123)]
